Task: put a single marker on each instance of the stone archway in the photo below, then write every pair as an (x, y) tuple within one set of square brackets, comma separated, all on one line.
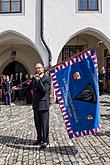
[(81, 41), (84, 39), (26, 52)]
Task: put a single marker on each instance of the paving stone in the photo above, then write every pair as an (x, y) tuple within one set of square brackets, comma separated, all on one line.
[(49, 162), (106, 159), (86, 161), (2, 161), (66, 158), (106, 163), (67, 163), (30, 162), (82, 155), (72, 158), (19, 163)]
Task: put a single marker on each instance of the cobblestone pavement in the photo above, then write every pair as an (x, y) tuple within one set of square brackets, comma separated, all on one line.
[(17, 133)]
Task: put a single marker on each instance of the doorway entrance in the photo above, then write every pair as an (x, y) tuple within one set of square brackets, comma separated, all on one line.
[(14, 67)]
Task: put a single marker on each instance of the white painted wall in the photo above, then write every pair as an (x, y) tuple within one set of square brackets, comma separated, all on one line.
[(62, 21), (22, 23)]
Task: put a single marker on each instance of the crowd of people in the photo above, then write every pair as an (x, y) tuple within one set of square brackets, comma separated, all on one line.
[(8, 95)]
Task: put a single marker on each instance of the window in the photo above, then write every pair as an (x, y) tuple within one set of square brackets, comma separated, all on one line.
[(88, 5), (71, 50), (106, 53), (10, 6)]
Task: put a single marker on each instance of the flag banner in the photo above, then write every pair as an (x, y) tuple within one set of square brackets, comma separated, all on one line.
[(76, 85)]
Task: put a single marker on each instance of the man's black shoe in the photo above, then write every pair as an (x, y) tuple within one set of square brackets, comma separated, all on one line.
[(37, 142), (44, 145)]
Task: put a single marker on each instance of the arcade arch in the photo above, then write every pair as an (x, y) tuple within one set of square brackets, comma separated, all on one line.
[(84, 39), (26, 54)]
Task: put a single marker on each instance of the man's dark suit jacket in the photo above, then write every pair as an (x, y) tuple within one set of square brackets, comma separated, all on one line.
[(41, 91)]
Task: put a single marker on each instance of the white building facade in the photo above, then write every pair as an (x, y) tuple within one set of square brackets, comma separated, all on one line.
[(49, 31)]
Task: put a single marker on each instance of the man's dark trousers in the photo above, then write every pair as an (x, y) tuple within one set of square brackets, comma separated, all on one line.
[(41, 119)]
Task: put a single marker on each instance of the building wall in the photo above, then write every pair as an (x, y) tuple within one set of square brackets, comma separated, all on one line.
[(22, 23), (62, 22)]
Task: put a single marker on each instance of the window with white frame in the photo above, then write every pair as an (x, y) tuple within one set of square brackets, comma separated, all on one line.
[(88, 5), (71, 50), (10, 6)]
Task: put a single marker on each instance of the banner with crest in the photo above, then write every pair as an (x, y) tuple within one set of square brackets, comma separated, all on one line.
[(76, 85)]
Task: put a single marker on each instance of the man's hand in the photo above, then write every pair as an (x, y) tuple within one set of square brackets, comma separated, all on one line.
[(15, 88), (41, 75), (36, 76)]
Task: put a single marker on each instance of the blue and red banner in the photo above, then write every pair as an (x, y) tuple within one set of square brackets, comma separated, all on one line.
[(76, 85)]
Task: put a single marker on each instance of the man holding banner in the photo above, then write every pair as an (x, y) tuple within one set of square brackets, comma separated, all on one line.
[(41, 86)]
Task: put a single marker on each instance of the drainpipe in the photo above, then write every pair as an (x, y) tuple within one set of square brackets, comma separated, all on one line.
[(50, 57), (41, 33)]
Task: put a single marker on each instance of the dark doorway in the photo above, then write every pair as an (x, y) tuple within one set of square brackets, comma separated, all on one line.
[(14, 67)]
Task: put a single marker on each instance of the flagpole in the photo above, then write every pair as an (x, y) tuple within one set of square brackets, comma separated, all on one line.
[(85, 50)]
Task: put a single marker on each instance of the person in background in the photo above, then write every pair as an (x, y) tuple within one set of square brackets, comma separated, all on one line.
[(8, 87), (22, 79), (3, 84), (15, 83), (108, 79), (102, 81), (1, 76), (103, 74), (12, 83), (28, 92)]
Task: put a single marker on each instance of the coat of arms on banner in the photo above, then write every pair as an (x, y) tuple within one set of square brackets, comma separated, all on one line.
[(76, 76)]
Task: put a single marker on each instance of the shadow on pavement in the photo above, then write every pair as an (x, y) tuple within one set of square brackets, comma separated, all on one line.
[(63, 150), (105, 103), (107, 133), (10, 140), (27, 144), (105, 116)]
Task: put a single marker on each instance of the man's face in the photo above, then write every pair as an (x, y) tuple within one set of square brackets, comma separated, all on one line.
[(7, 77), (39, 68), (21, 74)]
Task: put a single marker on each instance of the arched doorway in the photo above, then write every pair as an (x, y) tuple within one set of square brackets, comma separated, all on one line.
[(14, 67)]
